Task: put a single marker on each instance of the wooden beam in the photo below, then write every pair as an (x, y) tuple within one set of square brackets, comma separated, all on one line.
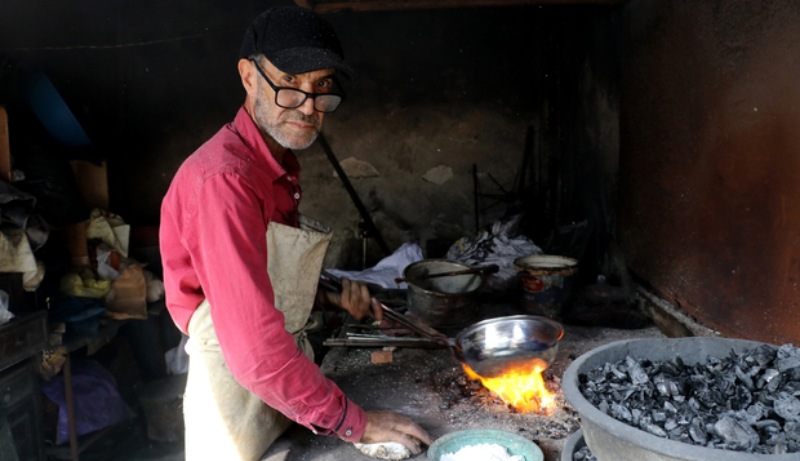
[(325, 6)]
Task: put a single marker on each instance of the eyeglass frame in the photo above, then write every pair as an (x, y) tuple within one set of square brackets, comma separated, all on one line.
[(307, 95)]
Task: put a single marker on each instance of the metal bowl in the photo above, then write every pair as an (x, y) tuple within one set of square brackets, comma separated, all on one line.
[(494, 346), (446, 302), (515, 445)]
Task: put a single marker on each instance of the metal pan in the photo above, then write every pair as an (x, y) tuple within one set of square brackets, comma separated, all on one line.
[(492, 347)]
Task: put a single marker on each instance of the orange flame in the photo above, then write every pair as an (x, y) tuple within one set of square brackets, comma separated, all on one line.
[(523, 388)]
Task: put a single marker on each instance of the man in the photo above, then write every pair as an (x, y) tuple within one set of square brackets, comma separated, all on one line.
[(244, 299)]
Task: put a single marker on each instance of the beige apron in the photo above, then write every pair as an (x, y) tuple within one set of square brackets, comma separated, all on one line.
[(223, 420)]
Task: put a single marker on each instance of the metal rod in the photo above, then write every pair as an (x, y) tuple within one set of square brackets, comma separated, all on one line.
[(414, 326), (333, 283), (422, 343), (370, 225), (490, 269)]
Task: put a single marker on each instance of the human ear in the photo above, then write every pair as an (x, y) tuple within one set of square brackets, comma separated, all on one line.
[(248, 75)]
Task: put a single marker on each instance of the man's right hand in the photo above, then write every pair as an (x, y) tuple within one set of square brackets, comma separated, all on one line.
[(387, 426)]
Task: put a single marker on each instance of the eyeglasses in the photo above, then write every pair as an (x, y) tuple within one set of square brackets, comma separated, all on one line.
[(292, 98)]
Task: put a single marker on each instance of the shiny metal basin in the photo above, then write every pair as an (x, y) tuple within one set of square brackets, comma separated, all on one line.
[(495, 346)]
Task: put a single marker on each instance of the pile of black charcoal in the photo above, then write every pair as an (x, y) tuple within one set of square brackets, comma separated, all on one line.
[(747, 401), (584, 454)]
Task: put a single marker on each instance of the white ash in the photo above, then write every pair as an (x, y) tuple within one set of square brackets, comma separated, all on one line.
[(745, 402), (481, 452)]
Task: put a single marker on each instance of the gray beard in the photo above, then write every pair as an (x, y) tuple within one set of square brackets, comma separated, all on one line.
[(274, 129)]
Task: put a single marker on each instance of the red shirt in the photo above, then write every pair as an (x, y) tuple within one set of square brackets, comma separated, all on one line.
[(213, 221)]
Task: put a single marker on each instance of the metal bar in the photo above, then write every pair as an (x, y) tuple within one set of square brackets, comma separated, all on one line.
[(422, 343), (414, 326), (362, 210), (333, 283), (369, 337)]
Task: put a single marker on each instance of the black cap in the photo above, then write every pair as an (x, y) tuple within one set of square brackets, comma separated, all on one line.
[(296, 40)]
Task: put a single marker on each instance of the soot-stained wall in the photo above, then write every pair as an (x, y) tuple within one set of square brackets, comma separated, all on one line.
[(710, 160), (523, 96)]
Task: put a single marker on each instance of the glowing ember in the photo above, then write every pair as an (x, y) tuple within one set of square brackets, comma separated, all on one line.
[(523, 388)]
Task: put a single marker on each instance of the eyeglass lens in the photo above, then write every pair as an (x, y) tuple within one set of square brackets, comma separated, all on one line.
[(289, 98)]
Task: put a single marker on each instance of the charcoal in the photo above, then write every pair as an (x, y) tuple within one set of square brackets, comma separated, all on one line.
[(636, 416), (787, 407), (621, 412), (741, 398), (748, 401), (654, 429), (670, 425), (726, 384), (769, 426), (636, 372), (627, 394), (697, 431), (583, 454), (736, 433), (763, 355), (661, 385), (598, 376), (745, 380), (780, 446), (670, 408), (788, 358), (792, 431), (767, 378), (619, 374)]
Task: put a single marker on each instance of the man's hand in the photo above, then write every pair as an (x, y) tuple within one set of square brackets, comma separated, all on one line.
[(356, 300), (386, 426)]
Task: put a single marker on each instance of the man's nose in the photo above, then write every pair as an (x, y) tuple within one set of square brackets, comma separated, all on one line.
[(307, 107)]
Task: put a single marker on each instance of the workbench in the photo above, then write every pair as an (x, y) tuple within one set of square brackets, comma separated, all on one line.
[(421, 384), (72, 343)]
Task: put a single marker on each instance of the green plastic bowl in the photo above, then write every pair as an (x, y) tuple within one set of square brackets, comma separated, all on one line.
[(515, 444)]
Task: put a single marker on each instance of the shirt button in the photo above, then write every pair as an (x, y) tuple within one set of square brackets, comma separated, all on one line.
[(348, 432), (297, 195)]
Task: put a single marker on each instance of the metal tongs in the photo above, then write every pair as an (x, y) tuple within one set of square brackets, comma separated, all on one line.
[(333, 283)]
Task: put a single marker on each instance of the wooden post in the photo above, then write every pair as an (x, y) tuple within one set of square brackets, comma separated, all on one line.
[(5, 147)]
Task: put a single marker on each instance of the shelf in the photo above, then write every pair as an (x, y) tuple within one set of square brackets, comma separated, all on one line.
[(21, 338)]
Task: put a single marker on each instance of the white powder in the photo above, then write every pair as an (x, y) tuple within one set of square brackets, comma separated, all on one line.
[(481, 452)]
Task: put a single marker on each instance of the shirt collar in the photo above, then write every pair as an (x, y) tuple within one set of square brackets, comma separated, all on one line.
[(249, 132)]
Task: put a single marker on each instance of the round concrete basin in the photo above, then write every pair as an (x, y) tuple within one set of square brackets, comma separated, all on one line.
[(612, 440)]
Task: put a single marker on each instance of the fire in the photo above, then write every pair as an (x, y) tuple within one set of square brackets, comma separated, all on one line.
[(523, 388)]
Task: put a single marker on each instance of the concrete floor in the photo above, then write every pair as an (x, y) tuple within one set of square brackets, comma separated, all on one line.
[(130, 442), (127, 442)]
